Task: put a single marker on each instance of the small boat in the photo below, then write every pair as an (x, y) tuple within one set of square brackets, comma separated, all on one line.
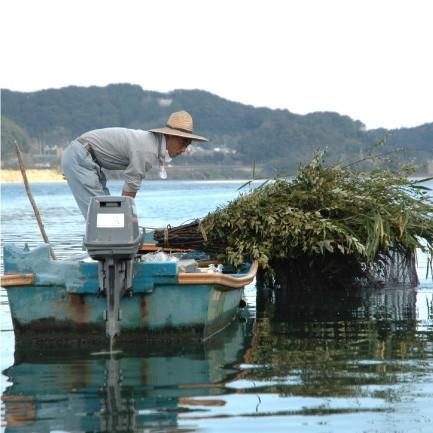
[(184, 298), (118, 286)]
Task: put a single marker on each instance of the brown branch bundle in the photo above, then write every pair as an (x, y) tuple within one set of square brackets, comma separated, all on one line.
[(189, 236)]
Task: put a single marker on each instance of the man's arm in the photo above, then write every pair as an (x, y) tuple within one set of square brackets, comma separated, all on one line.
[(129, 193)]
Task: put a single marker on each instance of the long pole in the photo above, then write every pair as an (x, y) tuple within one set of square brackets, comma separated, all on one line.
[(32, 201)]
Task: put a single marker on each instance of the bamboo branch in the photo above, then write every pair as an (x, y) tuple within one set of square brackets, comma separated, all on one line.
[(32, 201)]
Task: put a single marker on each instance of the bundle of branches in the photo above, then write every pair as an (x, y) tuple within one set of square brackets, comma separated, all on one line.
[(353, 218), (193, 236)]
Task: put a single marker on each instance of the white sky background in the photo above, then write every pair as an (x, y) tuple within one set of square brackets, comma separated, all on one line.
[(369, 59)]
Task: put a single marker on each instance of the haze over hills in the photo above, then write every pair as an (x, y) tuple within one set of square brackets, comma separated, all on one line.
[(44, 122)]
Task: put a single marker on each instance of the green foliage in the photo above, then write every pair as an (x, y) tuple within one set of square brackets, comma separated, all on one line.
[(11, 132), (326, 211)]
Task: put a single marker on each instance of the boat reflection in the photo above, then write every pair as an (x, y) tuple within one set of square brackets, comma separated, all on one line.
[(135, 390)]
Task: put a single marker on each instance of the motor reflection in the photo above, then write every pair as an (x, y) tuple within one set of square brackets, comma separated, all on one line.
[(144, 387)]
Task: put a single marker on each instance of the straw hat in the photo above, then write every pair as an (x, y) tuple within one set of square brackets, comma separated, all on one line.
[(180, 124)]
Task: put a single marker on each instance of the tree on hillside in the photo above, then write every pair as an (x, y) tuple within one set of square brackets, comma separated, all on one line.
[(275, 139), (11, 132)]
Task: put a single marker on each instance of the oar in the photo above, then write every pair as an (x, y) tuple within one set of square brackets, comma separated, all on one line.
[(32, 201)]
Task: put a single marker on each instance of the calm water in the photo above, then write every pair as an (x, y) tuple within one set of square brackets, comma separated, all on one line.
[(340, 362)]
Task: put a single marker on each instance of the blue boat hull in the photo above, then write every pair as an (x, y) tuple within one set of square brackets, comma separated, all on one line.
[(169, 310), (65, 299)]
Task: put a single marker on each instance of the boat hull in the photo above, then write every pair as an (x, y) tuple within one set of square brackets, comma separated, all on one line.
[(64, 298), (195, 311)]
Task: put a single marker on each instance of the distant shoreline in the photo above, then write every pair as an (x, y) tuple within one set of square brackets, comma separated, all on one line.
[(33, 175), (51, 175)]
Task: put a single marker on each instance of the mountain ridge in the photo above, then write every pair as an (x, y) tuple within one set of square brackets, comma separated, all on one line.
[(275, 139)]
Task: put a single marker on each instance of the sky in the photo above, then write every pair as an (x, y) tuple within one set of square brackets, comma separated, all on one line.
[(369, 59)]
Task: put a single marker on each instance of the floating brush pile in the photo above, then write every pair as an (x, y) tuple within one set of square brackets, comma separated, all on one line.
[(327, 226)]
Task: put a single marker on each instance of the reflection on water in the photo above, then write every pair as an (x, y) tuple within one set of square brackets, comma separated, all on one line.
[(311, 361), (142, 388), (346, 353)]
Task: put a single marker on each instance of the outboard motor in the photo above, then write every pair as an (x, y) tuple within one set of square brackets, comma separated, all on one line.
[(113, 238)]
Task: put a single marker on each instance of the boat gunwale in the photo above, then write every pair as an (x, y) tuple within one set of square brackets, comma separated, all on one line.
[(184, 278), (219, 279)]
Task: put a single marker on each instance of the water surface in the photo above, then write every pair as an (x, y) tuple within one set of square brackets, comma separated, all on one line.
[(359, 361)]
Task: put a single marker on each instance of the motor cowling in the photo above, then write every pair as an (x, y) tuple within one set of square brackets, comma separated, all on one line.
[(112, 228), (113, 238)]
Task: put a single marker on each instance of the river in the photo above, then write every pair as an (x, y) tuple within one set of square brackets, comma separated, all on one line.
[(359, 361)]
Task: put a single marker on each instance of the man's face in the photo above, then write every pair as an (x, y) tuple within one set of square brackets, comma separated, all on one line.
[(176, 145)]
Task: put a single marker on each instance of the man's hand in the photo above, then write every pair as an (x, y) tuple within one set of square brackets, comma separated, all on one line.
[(129, 194)]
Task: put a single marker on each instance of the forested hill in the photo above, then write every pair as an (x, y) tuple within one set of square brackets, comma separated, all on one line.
[(239, 134)]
